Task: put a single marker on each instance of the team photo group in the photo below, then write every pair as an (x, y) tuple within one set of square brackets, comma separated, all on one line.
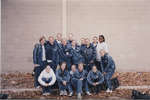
[(76, 68)]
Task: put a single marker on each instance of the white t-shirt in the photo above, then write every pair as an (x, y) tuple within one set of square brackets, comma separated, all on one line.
[(101, 46), (43, 53)]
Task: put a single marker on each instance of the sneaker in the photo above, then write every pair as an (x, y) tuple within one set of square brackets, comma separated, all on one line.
[(46, 94), (88, 93), (109, 91), (70, 94), (79, 96), (61, 93), (37, 87), (65, 93)]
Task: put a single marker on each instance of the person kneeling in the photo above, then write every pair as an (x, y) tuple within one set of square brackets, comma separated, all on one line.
[(47, 78), (95, 79), (108, 68), (79, 80), (63, 79)]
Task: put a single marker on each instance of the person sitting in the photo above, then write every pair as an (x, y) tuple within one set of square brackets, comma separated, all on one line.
[(47, 78), (95, 79), (63, 79), (108, 68), (79, 81)]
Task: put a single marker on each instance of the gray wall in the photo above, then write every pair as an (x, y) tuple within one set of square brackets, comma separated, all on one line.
[(124, 23)]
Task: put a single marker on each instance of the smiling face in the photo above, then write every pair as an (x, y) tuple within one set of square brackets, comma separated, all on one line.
[(59, 36), (94, 69), (73, 68), (64, 41), (80, 67), (51, 40), (102, 52), (95, 40), (63, 66), (73, 43), (47, 69), (87, 41), (70, 37), (83, 41)]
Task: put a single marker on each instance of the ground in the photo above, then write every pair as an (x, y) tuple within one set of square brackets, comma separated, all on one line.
[(20, 85)]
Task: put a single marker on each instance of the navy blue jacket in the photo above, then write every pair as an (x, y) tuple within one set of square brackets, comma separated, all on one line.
[(78, 75), (51, 51), (62, 75), (89, 54), (37, 54), (66, 53), (95, 77), (59, 53), (76, 56), (94, 45), (107, 63)]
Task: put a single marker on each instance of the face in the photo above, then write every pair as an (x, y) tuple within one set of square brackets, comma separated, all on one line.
[(101, 39), (80, 67), (88, 41), (42, 41), (64, 42), (73, 43), (73, 68), (82, 41), (94, 69), (70, 36), (63, 66), (95, 40), (102, 53), (48, 69), (59, 36), (51, 40)]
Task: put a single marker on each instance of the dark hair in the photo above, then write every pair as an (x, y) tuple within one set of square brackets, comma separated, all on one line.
[(63, 63), (102, 36), (41, 38)]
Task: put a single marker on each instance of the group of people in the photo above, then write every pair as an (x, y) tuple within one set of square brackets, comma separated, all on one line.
[(72, 66)]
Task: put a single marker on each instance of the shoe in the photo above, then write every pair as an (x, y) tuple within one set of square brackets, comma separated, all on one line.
[(46, 94), (109, 91), (79, 96), (61, 93), (65, 93), (70, 94), (88, 93), (37, 87)]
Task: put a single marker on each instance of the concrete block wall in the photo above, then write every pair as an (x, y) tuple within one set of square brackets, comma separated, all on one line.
[(124, 23)]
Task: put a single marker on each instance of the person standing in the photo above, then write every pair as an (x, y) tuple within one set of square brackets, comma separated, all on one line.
[(51, 51), (39, 59), (101, 45), (89, 55)]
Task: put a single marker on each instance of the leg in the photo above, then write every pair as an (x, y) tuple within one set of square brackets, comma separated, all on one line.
[(86, 85), (36, 75), (61, 86), (108, 80), (79, 86)]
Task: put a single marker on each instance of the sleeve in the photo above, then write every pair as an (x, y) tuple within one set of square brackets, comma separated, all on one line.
[(40, 79), (35, 54), (106, 48), (58, 77), (101, 78), (108, 65), (89, 78), (53, 78), (102, 67), (85, 75), (94, 54), (68, 77)]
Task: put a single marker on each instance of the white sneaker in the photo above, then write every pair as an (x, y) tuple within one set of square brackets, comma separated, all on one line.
[(65, 93), (79, 96), (70, 94), (88, 93), (109, 91), (37, 87), (61, 93), (46, 94)]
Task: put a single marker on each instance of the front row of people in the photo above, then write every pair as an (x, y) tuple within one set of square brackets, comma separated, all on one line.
[(78, 79)]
